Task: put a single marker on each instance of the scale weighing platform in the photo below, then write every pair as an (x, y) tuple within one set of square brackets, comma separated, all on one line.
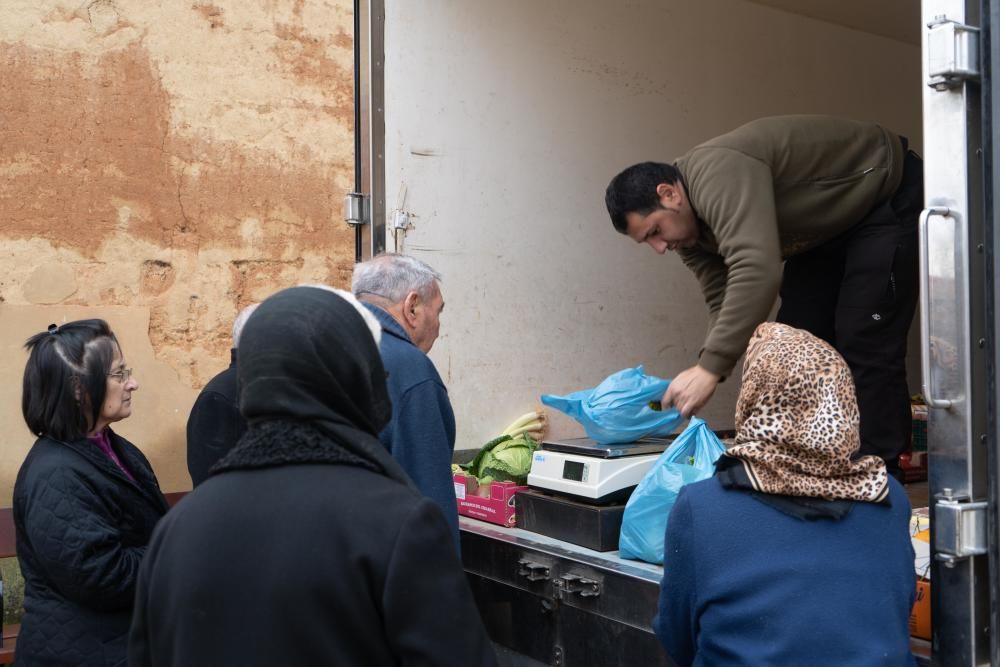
[(594, 473)]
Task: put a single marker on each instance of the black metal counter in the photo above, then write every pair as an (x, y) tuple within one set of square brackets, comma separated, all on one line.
[(548, 602), (559, 604)]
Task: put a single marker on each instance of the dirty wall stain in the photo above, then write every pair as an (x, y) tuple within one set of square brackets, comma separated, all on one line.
[(77, 139), (87, 156), (92, 134)]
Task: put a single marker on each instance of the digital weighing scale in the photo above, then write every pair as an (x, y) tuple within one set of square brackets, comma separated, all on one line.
[(594, 473)]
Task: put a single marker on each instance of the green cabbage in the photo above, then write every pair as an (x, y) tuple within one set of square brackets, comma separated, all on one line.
[(504, 459)]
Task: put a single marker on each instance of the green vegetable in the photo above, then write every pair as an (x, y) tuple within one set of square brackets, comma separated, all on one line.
[(504, 459), (690, 461)]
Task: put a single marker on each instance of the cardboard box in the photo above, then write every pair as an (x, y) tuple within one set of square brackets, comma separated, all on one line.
[(920, 537), (493, 502), (920, 616)]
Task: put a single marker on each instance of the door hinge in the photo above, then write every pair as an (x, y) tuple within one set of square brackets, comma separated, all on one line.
[(952, 53), (357, 208), (959, 528)]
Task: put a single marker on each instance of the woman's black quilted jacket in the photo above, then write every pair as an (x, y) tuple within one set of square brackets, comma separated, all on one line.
[(82, 529)]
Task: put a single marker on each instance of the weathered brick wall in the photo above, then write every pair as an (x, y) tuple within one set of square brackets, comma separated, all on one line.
[(166, 162)]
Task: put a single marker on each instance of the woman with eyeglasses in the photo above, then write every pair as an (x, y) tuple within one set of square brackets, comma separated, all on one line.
[(85, 500)]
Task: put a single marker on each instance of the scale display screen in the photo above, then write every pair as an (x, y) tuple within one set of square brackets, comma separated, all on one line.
[(574, 470)]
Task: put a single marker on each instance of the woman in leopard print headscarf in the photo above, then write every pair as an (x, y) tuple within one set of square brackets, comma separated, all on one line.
[(797, 423), (793, 553)]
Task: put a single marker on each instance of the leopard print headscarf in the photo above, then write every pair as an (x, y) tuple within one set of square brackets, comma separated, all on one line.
[(797, 420)]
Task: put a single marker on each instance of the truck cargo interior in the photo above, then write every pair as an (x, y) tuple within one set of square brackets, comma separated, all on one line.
[(488, 132), (505, 121)]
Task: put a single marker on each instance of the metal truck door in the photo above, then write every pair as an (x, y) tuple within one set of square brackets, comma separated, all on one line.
[(991, 144), (954, 337)]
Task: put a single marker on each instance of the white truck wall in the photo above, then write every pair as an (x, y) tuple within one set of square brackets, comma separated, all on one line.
[(506, 120)]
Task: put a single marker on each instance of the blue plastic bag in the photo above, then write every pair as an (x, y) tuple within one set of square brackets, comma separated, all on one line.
[(617, 410), (691, 458)]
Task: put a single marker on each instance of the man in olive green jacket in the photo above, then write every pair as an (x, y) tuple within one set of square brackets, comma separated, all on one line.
[(836, 201)]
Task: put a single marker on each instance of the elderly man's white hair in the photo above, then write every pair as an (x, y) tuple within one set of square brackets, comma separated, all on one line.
[(391, 277), (366, 314), (240, 322)]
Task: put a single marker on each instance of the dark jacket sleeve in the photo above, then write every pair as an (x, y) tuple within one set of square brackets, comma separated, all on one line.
[(430, 616), (675, 622), (214, 426), (77, 542), (423, 445)]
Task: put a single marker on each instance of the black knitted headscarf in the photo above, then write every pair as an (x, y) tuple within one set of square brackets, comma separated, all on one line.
[(312, 386)]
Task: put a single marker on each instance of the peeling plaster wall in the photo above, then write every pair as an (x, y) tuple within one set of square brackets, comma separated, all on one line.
[(164, 165)]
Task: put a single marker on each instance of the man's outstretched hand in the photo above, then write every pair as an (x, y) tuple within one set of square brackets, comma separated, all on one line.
[(690, 390)]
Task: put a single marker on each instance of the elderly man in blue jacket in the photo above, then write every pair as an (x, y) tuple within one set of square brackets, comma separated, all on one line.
[(405, 295)]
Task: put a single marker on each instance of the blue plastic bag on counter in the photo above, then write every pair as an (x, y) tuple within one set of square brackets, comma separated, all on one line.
[(617, 410), (691, 458)]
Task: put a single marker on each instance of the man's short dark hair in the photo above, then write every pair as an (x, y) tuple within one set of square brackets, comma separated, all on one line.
[(66, 378), (634, 191)]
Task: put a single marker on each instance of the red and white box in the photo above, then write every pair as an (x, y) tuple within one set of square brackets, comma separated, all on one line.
[(493, 502)]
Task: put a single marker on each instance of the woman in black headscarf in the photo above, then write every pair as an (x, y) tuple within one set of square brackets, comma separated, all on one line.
[(308, 545)]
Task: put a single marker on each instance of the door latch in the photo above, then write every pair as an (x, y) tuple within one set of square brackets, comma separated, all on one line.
[(952, 53), (570, 584), (959, 529), (532, 571)]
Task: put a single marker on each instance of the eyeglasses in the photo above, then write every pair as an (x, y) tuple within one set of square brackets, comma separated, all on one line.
[(122, 375)]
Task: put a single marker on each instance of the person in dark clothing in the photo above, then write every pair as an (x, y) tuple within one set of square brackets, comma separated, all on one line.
[(822, 210), (795, 552), (85, 500), (308, 544), (405, 295), (215, 422)]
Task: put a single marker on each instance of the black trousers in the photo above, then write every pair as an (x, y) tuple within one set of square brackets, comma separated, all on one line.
[(858, 292)]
